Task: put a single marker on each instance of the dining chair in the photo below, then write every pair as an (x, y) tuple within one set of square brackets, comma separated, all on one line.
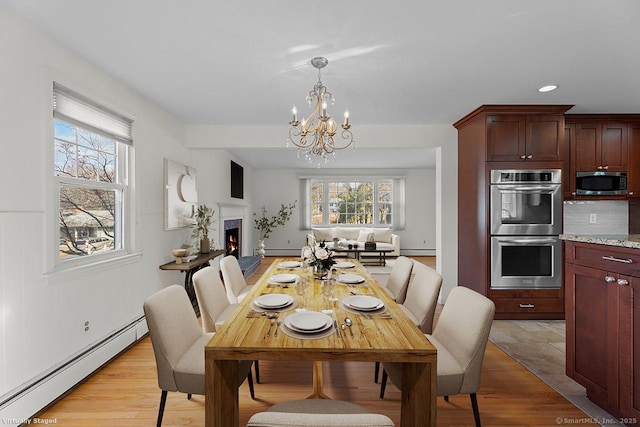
[(213, 302), (421, 299), (233, 278), (178, 345), (212, 298), (460, 337), (318, 412), (399, 276)]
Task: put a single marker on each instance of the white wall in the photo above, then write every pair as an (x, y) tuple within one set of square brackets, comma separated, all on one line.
[(42, 316)]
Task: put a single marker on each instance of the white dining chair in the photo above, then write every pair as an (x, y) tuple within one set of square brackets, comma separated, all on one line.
[(234, 281), (213, 302), (399, 276), (421, 299), (318, 413), (460, 336), (178, 345)]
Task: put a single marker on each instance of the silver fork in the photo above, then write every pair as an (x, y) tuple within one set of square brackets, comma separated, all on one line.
[(275, 334), (271, 322)]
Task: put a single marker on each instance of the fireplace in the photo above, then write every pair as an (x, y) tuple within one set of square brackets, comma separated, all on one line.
[(233, 237)]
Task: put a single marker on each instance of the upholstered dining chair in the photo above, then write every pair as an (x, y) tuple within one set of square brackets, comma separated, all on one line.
[(212, 298), (178, 345), (213, 302), (318, 412), (233, 278), (460, 336), (421, 299), (399, 277)]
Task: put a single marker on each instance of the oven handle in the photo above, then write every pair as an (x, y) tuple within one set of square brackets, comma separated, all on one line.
[(519, 241), (530, 189)]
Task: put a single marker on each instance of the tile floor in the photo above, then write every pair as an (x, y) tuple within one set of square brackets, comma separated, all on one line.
[(539, 345)]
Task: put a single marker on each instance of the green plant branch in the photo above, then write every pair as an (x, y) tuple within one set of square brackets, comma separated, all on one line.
[(265, 225)]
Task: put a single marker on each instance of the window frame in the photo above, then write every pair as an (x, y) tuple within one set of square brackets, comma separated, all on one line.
[(397, 200), (57, 269)]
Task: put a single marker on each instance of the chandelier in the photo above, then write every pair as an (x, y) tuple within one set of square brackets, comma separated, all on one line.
[(314, 135)]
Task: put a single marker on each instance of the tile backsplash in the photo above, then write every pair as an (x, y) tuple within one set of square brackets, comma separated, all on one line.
[(596, 217)]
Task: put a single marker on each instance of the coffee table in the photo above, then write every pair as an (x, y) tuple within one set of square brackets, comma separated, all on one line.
[(381, 259)]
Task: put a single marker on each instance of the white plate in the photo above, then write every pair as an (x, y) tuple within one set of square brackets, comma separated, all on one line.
[(344, 264), (363, 302), (350, 278), (289, 264), (273, 300), (308, 321), (283, 278)]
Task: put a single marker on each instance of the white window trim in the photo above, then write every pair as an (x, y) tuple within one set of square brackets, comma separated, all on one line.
[(54, 270), (398, 216)]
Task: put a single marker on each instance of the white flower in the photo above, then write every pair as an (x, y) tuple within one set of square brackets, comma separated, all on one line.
[(321, 253)]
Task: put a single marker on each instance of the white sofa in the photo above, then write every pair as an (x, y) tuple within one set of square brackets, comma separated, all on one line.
[(384, 237)]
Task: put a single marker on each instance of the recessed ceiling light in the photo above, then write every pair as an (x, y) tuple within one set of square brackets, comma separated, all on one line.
[(547, 88)]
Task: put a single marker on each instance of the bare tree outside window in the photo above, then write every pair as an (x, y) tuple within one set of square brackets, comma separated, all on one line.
[(86, 163)]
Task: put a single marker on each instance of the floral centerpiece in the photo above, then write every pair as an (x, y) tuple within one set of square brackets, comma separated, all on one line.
[(320, 258)]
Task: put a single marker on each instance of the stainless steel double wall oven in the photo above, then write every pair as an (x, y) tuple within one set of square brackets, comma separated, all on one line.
[(526, 221)]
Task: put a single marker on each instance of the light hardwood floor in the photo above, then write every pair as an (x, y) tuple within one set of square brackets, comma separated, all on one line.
[(125, 393)]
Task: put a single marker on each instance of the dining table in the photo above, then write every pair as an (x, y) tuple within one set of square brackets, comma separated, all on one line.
[(281, 319)]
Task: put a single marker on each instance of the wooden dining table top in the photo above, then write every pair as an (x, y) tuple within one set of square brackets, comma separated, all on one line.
[(375, 338)]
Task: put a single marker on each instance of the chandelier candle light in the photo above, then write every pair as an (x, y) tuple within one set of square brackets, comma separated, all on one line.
[(314, 135)]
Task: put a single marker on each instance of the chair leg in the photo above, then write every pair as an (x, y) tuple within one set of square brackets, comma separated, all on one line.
[(383, 384), (257, 368), (163, 400), (446, 398), (376, 373), (474, 405), (250, 380)]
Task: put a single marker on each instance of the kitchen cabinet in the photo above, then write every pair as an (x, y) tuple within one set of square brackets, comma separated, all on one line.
[(515, 138), (601, 146), (633, 170), (602, 285), (497, 137)]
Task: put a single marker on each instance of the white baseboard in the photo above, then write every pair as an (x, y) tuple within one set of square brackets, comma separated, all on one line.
[(35, 396)]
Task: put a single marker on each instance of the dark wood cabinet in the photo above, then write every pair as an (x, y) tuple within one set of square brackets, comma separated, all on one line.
[(513, 138), (602, 285), (633, 169), (503, 137), (601, 146)]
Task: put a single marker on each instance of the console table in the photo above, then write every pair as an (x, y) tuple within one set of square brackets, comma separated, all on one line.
[(201, 261)]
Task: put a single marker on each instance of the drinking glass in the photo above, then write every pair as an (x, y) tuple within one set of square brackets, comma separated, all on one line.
[(327, 289), (300, 288)]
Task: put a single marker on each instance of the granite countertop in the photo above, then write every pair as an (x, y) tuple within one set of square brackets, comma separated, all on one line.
[(624, 240)]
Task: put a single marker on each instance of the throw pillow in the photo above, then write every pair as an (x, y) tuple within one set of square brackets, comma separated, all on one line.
[(364, 236), (382, 235), (324, 234)]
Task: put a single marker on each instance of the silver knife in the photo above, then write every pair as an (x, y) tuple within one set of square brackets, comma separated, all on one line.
[(335, 325)]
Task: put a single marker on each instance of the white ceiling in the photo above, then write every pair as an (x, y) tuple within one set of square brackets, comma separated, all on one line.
[(413, 62)]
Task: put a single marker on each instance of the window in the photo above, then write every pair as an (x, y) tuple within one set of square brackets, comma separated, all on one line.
[(361, 201), (90, 169)]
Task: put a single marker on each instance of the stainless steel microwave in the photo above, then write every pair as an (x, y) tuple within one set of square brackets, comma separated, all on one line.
[(601, 183)]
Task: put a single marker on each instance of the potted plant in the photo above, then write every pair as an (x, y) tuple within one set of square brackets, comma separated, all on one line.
[(202, 223), (265, 225)]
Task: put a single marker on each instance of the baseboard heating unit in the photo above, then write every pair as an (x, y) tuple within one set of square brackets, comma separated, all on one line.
[(18, 406)]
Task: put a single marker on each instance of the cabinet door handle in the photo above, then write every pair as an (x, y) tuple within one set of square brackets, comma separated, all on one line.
[(527, 306), (605, 167), (599, 168), (530, 156), (623, 282), (609, 279), (523, 157), (630, 193), (612, 258)]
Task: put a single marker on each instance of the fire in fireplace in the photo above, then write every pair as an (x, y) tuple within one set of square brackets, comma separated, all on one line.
[(232, 237)]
